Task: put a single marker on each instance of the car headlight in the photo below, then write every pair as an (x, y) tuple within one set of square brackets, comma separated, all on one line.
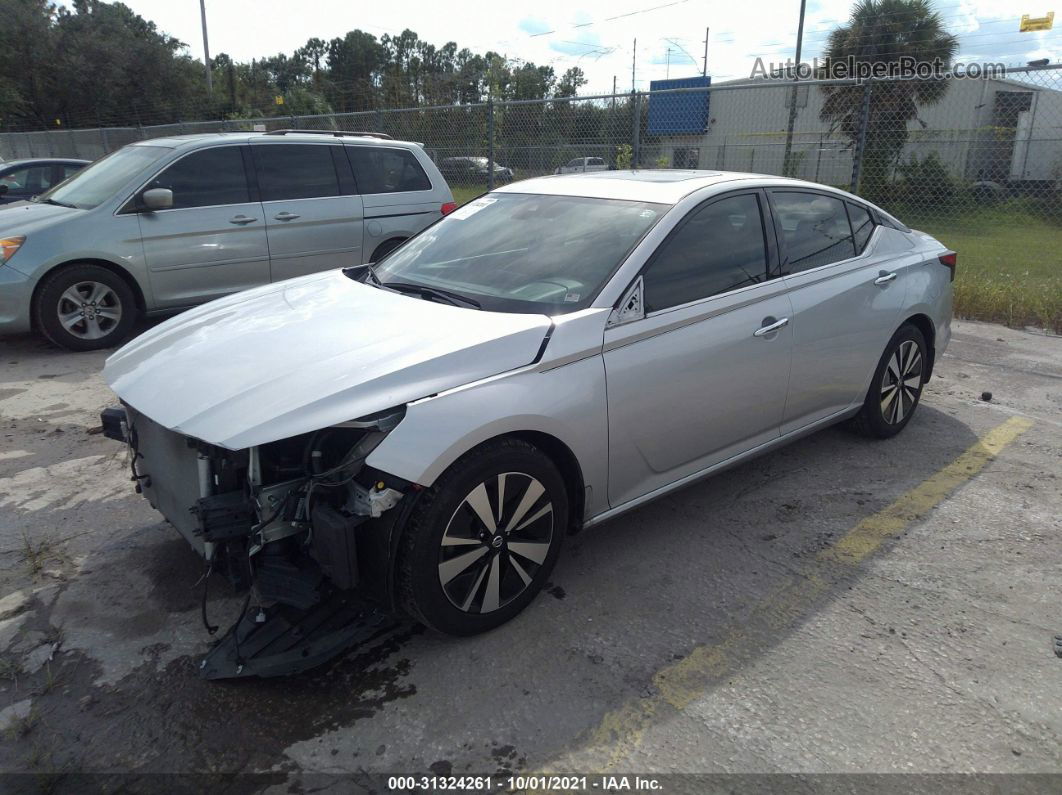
[(8, 247)]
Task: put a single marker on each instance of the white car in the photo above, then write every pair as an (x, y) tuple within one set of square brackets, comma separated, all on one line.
[(549, 356), (581, 165)]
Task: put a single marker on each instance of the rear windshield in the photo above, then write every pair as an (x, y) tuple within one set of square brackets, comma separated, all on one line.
[(97, 182)]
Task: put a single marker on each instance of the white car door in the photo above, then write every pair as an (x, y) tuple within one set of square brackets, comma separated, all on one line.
[(847, 295), (703, 375)]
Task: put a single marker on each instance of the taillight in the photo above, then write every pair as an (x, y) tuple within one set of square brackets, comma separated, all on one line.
[(448, 208), (949, 260)]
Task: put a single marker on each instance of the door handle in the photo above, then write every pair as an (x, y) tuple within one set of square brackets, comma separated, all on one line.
[(763, 331), (241, 220), (884, 277), (285, 216)]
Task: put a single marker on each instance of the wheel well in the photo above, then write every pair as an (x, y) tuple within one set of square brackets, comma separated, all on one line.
[(387, 246), (925, 325), (117, 270), (564, 459)]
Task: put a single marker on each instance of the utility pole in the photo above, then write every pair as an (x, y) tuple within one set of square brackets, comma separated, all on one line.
[(667, 69), (613, 92), (705, 72), (788, 156), (206, 47), (634, 64)]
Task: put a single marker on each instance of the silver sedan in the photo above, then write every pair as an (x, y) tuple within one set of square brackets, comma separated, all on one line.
[(427, 430)]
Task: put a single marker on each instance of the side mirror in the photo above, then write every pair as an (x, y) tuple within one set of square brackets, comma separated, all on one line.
[(4, 188), (157, 199)]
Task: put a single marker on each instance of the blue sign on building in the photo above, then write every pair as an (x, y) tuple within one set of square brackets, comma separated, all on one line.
[(679, 113)]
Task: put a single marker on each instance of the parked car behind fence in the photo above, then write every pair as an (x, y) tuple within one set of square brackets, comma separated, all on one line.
[(581, 165), (474, 171)]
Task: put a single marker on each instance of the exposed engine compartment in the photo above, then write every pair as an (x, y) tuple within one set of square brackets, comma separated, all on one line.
[(281, 518)]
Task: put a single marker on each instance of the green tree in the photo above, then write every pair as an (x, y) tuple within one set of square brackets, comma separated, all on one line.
[(355, 63), (885, 31), (570, 83)]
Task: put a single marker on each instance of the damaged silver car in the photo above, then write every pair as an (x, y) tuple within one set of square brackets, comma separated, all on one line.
[(423, 432)]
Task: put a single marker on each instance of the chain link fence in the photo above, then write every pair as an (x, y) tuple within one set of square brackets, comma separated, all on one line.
[(975, 162)]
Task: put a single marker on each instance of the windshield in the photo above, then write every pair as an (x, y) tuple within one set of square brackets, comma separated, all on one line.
[(516, 252), (98, 181)]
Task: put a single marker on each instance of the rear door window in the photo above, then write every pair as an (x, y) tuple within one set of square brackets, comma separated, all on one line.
[(379, 169), (295, 171), (206, 178), (815, 230)]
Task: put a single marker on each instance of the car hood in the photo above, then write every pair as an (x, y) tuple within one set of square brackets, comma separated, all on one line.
[(23, 218), (304, 354)]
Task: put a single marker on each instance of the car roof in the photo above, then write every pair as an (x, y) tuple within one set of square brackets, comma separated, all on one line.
[(191, 141), (661, 186)]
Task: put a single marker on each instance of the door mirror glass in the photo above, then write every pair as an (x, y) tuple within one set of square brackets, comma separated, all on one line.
[(157, 199)]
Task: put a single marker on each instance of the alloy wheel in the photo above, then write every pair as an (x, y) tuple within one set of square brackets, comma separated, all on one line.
[(89, 310), (495, 542), (901, 382)]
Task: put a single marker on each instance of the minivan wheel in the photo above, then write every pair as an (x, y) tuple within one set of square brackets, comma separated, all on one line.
[(386, 248), (897, 385), (84, 308), (479, 545)]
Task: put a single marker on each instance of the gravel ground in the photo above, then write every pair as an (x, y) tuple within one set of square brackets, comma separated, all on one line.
[(711, 632)]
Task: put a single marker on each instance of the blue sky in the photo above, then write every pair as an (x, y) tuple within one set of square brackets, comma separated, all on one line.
[(595, 35)]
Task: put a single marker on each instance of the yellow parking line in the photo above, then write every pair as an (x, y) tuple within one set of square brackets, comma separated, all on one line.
[(620, 732)]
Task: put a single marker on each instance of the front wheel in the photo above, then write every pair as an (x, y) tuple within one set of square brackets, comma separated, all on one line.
[(85, 307), (482, 541), (897, 385)]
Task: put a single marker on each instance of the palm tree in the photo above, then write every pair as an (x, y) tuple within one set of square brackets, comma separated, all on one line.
[(885, 31)]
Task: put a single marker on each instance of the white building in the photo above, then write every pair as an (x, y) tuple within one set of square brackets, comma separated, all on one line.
[(998, 130)]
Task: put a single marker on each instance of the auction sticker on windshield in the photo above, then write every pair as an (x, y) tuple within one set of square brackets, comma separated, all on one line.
[(472, 208)]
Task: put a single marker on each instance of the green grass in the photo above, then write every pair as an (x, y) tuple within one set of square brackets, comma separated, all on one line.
[(1010, 263), (464, 195)]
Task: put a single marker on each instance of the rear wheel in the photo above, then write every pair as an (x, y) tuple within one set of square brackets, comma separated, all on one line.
[(84, 308), (482, 541), (897, 385)]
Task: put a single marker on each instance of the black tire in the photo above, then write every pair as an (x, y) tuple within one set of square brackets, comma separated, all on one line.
[(110, 306), (899, 376), (462, 605), (386, 248)]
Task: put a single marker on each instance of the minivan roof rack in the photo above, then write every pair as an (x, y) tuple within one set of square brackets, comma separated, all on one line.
[(334, 133)]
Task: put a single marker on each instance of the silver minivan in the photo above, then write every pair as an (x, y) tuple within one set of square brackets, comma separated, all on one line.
[(165, 224)]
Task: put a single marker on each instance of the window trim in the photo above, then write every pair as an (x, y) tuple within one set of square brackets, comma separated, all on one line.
[(129, 205), (354, 171), (769, 240)]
